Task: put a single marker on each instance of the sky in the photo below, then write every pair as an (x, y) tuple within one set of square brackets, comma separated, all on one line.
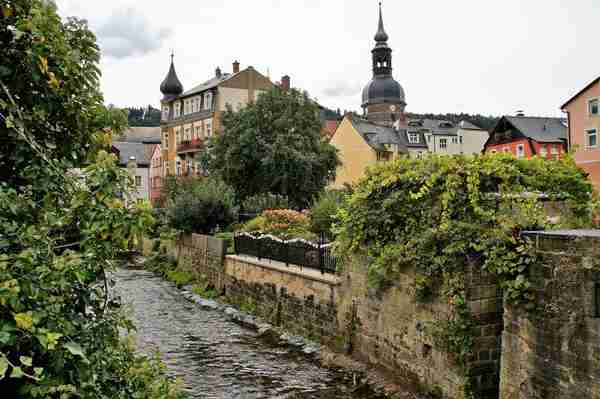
[(492, 57)]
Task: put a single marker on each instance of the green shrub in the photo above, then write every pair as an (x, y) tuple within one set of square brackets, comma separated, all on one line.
[(323, 211), (205, 291), (179, 277), (202, 207), (261, 202)]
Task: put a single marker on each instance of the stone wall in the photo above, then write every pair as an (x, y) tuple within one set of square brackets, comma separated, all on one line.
[(394, 332), (301, 301), (555, 352)]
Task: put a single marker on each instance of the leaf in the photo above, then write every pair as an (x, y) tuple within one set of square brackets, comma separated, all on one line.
[(75, 349), (24, 321), (4, 337), (52, 339), (3, 366), (17, 372), (26, 360)]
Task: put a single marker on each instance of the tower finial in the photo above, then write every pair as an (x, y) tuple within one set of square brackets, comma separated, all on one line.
[(172, 55), (381, 36)]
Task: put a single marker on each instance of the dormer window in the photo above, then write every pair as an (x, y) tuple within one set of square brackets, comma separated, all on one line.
[(413, 138)]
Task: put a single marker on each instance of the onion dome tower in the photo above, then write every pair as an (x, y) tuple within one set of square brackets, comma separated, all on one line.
[(171, 87), (383, 98)]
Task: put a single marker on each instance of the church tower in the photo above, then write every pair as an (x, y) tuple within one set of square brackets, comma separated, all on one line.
[(383, 99)]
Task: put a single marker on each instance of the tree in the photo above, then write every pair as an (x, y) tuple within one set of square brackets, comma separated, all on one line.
[(63, 222), (274, 145)]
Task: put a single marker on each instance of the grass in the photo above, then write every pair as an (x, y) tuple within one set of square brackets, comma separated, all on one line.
[(180, 278), (205, 292)]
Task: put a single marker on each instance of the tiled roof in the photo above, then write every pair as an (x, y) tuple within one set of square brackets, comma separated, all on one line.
[(149, 135), (128, 150), (209, 84), (541, 129), (378, 136)]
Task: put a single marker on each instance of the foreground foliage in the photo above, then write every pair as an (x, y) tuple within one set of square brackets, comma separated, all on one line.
[(283, 223), (440, 215), (65, 219)]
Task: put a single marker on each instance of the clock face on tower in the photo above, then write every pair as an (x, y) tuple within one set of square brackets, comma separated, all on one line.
[(392, 108)]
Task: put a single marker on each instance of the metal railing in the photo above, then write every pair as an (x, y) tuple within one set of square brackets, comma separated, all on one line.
[(297, 252)]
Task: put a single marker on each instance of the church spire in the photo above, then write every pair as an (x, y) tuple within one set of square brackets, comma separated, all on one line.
[(381, 36), (171, 86)]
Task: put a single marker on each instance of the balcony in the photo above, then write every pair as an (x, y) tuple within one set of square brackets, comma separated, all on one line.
[(190, 146)]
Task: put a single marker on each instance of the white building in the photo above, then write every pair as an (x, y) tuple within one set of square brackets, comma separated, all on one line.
[(444, 137)]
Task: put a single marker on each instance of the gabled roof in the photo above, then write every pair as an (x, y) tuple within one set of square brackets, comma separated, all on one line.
[(377, 136), (541, 129), (597, 80), (129, 150), (148, 135)]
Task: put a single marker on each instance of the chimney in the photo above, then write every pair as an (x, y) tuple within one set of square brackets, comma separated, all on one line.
[(218, 72), (236, 67), (285, 83)]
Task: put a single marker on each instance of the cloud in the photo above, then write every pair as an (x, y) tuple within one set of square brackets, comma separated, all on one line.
[(127, 33), (342, 89)]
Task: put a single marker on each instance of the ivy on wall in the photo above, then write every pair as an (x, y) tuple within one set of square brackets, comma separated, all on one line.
[(440, 215)]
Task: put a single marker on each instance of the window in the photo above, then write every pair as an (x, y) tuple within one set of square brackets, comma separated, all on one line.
[(543, 151), (454, 140), (591, 139), (429, 139), (138, 181), (188, 135), (493, 151), (208, 129), (383, 156), (413, 138), (554, 150), (520, 151), (165, 113), (460, 139), (594, 107), (506, 149), (198, 132), (208, 101), (165, 143), (177, 109), (443, 144)]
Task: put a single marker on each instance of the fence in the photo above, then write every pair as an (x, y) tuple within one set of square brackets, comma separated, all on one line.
[(293, 252)]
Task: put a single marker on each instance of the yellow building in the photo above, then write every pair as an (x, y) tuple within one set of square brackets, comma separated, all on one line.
[(190, 118), (362, 144)]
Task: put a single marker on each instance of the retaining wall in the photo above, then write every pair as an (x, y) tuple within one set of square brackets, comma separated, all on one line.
[(555, 353)]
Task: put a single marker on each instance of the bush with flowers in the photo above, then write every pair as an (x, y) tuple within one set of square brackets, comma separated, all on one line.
[(283, 223)]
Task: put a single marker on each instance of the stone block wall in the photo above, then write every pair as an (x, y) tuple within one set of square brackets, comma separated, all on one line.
[(300, 301), (394, 332), (554, 353), (202, 256)]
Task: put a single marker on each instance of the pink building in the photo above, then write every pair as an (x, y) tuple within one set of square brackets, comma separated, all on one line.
[(583, 110), (156, 175)]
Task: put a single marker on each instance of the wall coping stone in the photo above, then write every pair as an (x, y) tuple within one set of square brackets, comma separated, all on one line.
[(588, 233), (306, 273)]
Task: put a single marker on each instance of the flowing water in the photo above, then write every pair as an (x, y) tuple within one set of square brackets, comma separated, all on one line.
[(215, 357)]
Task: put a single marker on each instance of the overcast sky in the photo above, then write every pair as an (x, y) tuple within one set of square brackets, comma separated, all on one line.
[(476, 56)]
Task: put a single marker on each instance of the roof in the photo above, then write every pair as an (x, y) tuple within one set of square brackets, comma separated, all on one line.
[(148, 135), (597, 80), (468, 125), (129, 150), (377, 136), (541, 129), (209, 84)]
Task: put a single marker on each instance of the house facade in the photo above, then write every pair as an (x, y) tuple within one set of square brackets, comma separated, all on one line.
[(156, 175), (583, 112), (446, 138), (526, 137), (134, 158), (191, 117), (362, 144)]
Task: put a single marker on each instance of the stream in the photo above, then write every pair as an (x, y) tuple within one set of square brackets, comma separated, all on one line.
[(215, 357)]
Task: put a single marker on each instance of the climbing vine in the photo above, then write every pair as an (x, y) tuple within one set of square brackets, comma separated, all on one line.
[(441, 215)]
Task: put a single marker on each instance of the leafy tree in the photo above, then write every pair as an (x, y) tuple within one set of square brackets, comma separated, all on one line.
[(64, 218), (274, 145), (323, 211)]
